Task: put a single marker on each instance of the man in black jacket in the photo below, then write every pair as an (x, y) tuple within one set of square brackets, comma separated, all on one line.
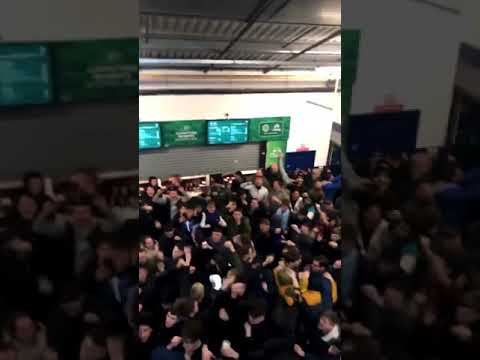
[(261, 340)]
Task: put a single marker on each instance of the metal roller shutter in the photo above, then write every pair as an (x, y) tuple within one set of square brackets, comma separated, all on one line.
[(200, 160), (57, 140)]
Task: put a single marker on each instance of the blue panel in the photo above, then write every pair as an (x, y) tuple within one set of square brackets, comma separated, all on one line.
[(382, 133), (300, 160)]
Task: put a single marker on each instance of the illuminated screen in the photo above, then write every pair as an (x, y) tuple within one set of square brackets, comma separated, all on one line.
[(227, 132), (150, 136), (25, 77)]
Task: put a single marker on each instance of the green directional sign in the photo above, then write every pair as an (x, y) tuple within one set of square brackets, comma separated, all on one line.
[(96, 70), (274, 149), (184, 133), (265, 129)]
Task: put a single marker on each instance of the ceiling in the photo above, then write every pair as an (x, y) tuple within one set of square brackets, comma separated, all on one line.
[(240, 35)]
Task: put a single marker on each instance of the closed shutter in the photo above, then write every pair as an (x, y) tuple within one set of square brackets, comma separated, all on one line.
[(58, 140), (200, 160)]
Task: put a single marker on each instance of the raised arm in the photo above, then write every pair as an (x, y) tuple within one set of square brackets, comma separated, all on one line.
[(286, 179), (159, 199), (45, 225)]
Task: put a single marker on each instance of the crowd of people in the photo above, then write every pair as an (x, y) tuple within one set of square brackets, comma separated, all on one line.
[(379, 263), (68, 264), (243, 268), (411, 270)]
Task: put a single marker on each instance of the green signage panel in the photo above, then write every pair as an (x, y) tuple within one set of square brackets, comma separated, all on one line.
[(25, 77), (149, 135), (96, 70), (350, 54), (182, 133), (264, 129), (274, 149), (227, 132), (350, 45)]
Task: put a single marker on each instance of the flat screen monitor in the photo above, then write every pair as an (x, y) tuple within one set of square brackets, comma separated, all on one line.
[(394, 132), (25, 75), (302, 160), (150, 136), (227, 132)]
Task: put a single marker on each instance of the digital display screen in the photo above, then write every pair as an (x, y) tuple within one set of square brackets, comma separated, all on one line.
[(227, 132), (394, 132), (150, 136), (25, 77)]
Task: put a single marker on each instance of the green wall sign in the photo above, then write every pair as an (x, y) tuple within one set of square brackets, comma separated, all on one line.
[(274, 131), (265, 129), (96, 70), (184, 133), (274, 148), (350, 54)]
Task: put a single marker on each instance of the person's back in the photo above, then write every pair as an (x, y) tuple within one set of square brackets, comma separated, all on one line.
[(261, 340), (323, 340), (264, 240), (65, 323)]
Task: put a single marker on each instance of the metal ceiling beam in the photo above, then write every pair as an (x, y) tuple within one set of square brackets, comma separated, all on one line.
[(317, 44), (279, 9), (242, 68), (197, 41), (156, 63), (161, 44), (199, 16), (250, 21), (252, 18), (234, 91), (299, 37)]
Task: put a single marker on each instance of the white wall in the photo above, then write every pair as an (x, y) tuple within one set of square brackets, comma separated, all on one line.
[(409, 50), (310, 125), (27, 20)]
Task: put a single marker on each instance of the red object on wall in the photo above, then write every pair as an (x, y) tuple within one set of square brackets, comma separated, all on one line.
[(390, 104), (303, 148)]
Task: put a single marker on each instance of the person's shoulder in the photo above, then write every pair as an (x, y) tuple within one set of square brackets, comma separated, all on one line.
[(161, 353)]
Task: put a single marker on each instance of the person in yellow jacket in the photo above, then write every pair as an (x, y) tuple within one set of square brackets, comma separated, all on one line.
[(286, 275), (316, 287)]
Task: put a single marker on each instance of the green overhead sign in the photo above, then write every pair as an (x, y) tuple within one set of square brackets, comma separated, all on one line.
[(274, 131), (265, 129), (274, 149), (184, 133), (96, 70)]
